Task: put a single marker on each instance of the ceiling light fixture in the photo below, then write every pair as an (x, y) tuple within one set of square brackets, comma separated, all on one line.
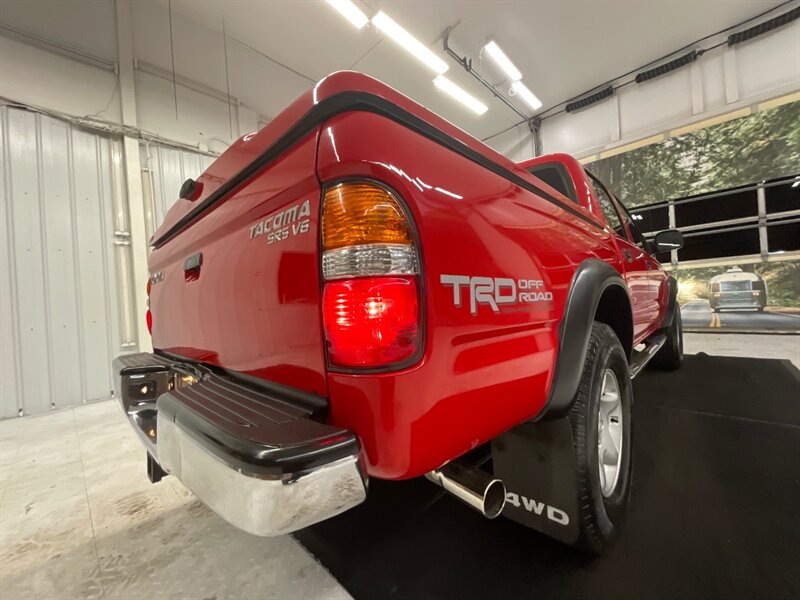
[(350, 12), (468, 100), (385, 23), (503, 61), (527, 95)]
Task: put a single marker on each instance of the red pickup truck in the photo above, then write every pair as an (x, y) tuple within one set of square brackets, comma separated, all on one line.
[(361, 289)]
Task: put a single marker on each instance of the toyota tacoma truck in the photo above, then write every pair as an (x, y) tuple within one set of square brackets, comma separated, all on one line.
[(363, 290)]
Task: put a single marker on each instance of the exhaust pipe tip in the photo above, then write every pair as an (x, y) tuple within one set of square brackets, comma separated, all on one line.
[(474, 487), (494, 499)]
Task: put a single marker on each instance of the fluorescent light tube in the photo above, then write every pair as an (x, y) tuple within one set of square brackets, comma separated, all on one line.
[(527, 95), (350, 12), (450, 88), (383, 22), (503, 61)]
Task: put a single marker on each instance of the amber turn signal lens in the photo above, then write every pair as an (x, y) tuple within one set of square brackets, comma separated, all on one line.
[(362, 213)]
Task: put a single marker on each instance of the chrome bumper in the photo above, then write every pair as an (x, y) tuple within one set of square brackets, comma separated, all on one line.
[(255, 459)]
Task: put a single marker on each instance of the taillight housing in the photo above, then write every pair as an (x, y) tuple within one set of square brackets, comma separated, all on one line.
[(371, 304), (148, 315)]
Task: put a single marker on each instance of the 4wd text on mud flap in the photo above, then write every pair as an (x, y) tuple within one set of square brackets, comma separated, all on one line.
[(538, 508)]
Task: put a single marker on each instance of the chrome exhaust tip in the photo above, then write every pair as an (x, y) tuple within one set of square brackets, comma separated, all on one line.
[(473, 487)]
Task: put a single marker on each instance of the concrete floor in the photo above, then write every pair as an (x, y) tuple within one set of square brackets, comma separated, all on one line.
[(79, 518)]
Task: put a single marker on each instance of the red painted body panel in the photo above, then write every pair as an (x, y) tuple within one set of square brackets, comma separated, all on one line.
[(251, 309), (256, 306), (481, 374)]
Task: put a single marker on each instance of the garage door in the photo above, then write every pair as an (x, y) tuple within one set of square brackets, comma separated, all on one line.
[(64, 312)]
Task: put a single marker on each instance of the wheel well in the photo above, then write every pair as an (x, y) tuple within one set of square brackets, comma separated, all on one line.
[(614, 309)]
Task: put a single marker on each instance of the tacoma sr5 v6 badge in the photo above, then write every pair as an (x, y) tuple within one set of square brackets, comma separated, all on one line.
[(288, 222)]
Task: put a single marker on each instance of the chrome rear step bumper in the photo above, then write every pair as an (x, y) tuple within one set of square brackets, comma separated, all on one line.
[(255, 458)]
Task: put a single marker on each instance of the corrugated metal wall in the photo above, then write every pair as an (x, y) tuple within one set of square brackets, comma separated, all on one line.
[(165, 170), (64, 264)]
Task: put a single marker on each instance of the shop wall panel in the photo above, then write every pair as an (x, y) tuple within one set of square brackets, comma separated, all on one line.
[(65, 357), (59, 307), (769, 62), (9, 381), (92, 261), (26, 221), (651, 106), (578, 131)]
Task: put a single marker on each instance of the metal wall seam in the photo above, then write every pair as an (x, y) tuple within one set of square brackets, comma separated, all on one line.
[(76, 257), (12, 270), (106, 228), (48, 324)]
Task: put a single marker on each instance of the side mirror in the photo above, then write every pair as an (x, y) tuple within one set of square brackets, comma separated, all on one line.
[(671, 239)]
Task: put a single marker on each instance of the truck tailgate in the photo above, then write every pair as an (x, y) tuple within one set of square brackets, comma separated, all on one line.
[(239, 287)]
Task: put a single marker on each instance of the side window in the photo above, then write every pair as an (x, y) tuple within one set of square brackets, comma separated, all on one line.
[(608, 207), (633, 228), (556, 176)]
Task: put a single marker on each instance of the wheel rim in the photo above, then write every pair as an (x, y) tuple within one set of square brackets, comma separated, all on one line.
[(609, 433)]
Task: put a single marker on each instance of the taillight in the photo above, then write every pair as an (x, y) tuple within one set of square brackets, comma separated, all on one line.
[(371, 322), (370, 265), (148, 316)]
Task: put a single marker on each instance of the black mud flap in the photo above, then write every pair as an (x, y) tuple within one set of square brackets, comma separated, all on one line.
[(536, 462)]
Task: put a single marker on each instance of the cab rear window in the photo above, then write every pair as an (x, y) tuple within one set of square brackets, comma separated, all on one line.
[(555, 175), (734, 286)]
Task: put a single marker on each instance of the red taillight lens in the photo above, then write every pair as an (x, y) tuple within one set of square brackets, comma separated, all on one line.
[(148, 315), (371, 322)]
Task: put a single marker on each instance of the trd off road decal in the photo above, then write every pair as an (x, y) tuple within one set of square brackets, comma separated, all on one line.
[(495, 291), (284, 224)]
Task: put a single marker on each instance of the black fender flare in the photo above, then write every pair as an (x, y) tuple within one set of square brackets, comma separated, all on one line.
[(672, 302), (591, 279)]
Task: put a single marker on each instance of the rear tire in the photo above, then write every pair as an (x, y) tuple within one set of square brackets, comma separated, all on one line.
[(596, 422), (670, 356)]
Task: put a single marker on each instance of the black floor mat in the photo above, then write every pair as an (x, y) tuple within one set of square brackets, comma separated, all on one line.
[(715, 511)]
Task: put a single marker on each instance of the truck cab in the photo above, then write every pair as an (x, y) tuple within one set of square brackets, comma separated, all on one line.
[(647, 282)]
